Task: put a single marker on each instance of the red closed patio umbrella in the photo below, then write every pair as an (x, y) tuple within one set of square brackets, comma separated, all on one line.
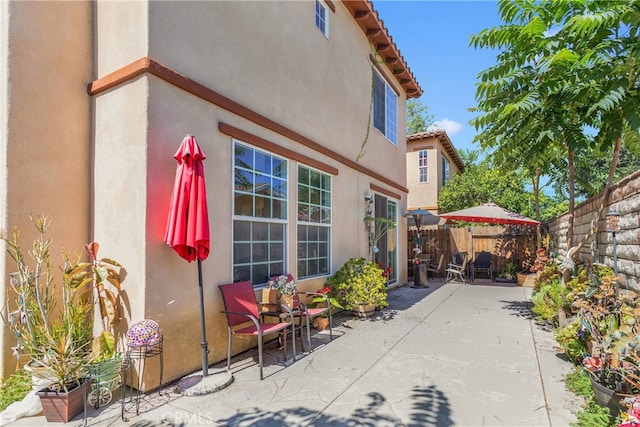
[(188, 224)]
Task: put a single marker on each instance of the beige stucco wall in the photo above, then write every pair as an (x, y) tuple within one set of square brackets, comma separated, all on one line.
[(5, 340), (121, 34), (45, 145), (281, 66), (102, 166), (317, 87), (425, 195)]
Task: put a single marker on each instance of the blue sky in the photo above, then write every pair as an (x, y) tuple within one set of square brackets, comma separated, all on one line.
[(433, 37)]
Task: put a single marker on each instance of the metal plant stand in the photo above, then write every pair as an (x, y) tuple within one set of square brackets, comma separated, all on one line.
[(137, 357)]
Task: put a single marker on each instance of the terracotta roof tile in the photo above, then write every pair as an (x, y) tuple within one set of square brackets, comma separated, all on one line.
[(442, 136), (373, 27)]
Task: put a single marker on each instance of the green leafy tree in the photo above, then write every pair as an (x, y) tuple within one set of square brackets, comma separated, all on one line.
[(591, 174), (565, 83), (483, 182), (418, 117)]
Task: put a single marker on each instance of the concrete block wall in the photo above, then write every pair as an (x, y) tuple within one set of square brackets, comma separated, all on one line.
[(625, 198)]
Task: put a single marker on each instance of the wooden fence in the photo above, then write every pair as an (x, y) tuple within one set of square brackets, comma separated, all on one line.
[(505, 244)]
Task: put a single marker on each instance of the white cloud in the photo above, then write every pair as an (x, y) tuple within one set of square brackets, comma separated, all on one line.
[(447, 125)]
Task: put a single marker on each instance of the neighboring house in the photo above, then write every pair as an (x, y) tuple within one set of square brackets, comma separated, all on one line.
[(95, 98), (432, 161)]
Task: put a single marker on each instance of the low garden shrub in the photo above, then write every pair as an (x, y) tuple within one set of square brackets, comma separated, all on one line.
[(14, 388), (548, 300)]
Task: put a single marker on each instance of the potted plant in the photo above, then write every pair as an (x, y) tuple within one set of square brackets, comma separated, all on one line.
[(359, 285), (51, 317), (287, 289), (527, 276), (107, 276), (509, 272), (50, 320)]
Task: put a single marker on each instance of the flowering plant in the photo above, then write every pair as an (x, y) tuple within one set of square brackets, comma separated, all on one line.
[(631, 418), (285, 284), (385, 272), (416, 257), (592, 364), (541, 260)]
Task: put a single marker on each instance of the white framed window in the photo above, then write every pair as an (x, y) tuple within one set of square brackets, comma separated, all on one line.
[(314, 223), (385, 108), (322, 17), (259, 214), (445, 170), (423, 166)]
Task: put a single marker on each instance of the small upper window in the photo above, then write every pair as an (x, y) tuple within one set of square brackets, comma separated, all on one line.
[(322, 18), (423, 166)]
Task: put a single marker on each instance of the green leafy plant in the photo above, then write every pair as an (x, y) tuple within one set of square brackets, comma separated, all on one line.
[(50, 321), (318, 300), (547, 301), (107, 276), (14, 388), (510, 271), (592, 415), (550, 273), (577, 381), (358, 282), (52, 317), (610, 316), (567, 338)]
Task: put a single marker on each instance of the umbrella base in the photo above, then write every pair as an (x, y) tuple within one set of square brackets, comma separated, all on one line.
[(197, 385)]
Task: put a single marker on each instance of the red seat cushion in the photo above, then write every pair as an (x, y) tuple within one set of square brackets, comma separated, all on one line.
[(267, 328)]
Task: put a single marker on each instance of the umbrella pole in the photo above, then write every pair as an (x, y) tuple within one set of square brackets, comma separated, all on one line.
[(203, 344), (208, 382)]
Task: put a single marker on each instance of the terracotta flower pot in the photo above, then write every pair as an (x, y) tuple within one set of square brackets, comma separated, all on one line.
[(60, 406), (321, 323)]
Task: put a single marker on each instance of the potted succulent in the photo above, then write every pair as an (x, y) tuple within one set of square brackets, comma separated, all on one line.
[(52, 317), (359, 285)]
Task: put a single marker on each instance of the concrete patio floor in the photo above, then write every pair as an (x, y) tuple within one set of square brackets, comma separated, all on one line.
[(448, 355)]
